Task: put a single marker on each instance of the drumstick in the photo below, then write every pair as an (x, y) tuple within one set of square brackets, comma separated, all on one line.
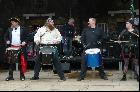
[(121, 41)]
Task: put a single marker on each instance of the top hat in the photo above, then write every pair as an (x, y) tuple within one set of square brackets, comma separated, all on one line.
[(15, 19)]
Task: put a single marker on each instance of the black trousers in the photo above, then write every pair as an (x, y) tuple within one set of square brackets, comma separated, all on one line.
[(56, 63), (84, 67), (12, 65)]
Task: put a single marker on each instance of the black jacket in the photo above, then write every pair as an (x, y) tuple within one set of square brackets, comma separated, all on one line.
[(128, 36), (92, 37), (23, 34), (68, 30)]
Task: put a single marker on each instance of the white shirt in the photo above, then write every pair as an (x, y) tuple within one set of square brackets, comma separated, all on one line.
[(48, 37), (16, 37)]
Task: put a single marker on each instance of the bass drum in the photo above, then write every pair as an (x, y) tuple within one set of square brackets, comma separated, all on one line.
[(12, 54), (47, 53)]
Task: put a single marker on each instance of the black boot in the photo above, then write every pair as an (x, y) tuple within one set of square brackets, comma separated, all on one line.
[(102, 73), (80, 79), (124, 78), (135, 76), (9, 78), (63, 78), (104, 77), (82, 76), (34, 78), (22, 78), (138, 78)]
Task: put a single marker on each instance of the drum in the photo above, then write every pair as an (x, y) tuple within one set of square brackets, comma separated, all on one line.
[(47, 54), (12, 54), (130, 48), (93, 57), (126, 49)]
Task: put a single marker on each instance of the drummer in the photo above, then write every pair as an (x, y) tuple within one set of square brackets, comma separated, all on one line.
[(91, 38), (16, 36), (48, 35), (130, 51)]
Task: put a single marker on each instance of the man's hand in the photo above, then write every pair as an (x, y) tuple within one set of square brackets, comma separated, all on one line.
[(37, 43), (23, 43), (8, 42), (56, 42)]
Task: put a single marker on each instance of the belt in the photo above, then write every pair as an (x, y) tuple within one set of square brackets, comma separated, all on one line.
[(15, 46)]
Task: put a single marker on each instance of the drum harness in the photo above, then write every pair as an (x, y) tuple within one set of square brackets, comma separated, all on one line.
[(134, 33)]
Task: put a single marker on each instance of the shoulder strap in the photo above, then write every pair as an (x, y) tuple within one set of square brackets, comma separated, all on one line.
[(43, 33), (135, 34)]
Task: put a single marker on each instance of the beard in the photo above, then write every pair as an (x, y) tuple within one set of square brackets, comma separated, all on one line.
[(51, 27)]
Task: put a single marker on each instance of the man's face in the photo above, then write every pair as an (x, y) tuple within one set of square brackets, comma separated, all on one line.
[(91, 22), (71, 22), (14, 24), (51, 22), (128, 25), (51, 25)]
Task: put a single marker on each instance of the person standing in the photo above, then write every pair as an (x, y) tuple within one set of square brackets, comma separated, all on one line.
[(69, 30), (48, 36), (130, 50), (16, 36), (90, 38)]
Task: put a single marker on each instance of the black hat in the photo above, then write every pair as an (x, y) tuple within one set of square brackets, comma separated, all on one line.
[(131, 21), (14, 19)]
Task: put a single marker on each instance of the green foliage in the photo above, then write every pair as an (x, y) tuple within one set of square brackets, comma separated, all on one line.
[(132, 8)]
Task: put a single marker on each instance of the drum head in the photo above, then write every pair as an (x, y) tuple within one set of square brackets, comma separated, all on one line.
[(13, 48), (47, 49), (93, 51)]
